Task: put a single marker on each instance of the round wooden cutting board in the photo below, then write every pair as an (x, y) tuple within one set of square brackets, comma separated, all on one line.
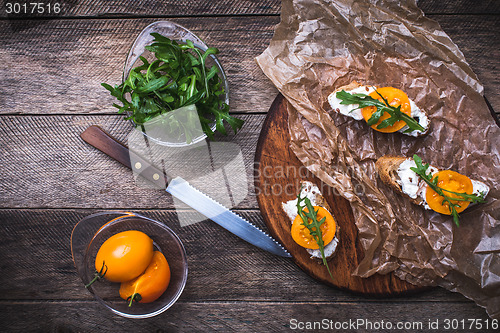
[(278, 173)]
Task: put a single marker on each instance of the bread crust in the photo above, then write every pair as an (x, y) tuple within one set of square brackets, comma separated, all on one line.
[(387, 167), (350, 86)]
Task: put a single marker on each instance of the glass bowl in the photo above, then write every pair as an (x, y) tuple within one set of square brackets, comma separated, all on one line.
[(88, 236), (178, 33)]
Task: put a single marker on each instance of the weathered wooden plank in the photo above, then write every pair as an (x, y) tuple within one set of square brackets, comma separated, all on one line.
[(62, 74), (156, 8), (46, 164), (459, 7), (36, 263), (173, 8), (386, 316)]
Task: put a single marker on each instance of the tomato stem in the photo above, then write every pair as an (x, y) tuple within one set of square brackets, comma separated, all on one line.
[(136, 297), (98, 275)]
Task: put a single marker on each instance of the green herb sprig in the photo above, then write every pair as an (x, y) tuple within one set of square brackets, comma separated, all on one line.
[(395, 113), (178, 77), (310, 221), (421, 171)]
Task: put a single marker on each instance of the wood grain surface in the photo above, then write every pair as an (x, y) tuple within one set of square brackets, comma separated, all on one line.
[(51, 70), (159, 8), (222, 290), (70, 316), (48, 165), (243, 273), (78, 55), (174, 8), (213, 316)]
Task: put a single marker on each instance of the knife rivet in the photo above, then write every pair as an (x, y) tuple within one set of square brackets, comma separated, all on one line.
[(156, 176), (138, 165)]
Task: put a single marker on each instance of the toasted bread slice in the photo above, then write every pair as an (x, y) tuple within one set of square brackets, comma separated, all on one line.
[(395, 172), (313, 193), (351, 111), (387, 167)]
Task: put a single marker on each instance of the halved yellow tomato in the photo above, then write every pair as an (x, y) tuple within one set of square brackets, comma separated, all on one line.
[(150, 285), (394, 97), (303, 237), (451, 181)]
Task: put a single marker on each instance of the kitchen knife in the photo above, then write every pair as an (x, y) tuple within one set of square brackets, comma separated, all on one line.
[(227, 219), (183, 191)]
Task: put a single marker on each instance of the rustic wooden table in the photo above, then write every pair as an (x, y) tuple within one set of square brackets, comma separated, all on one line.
[(51, 68)]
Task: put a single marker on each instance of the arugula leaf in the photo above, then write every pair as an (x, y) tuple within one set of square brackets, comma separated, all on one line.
[(421, 170), (310, 221), (178, 77), (363, 100)]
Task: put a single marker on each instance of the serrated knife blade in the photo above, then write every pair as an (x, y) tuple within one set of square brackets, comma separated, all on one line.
[(224, 217)]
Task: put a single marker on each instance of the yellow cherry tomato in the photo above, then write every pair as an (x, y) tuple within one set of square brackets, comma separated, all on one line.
[(452, 181), (150, 285), (303, 237), (124, 256), (395, 97)]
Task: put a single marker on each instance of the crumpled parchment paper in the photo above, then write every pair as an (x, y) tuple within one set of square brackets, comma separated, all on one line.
[(322, 45)]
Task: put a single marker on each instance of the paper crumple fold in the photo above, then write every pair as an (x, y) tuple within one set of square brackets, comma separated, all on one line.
[(321, 45)]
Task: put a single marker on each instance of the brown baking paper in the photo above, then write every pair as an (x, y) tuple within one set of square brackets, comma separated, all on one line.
[(322, 45)]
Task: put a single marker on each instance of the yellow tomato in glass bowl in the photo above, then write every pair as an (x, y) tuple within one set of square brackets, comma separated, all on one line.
[(150, 285), (123, 256)]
